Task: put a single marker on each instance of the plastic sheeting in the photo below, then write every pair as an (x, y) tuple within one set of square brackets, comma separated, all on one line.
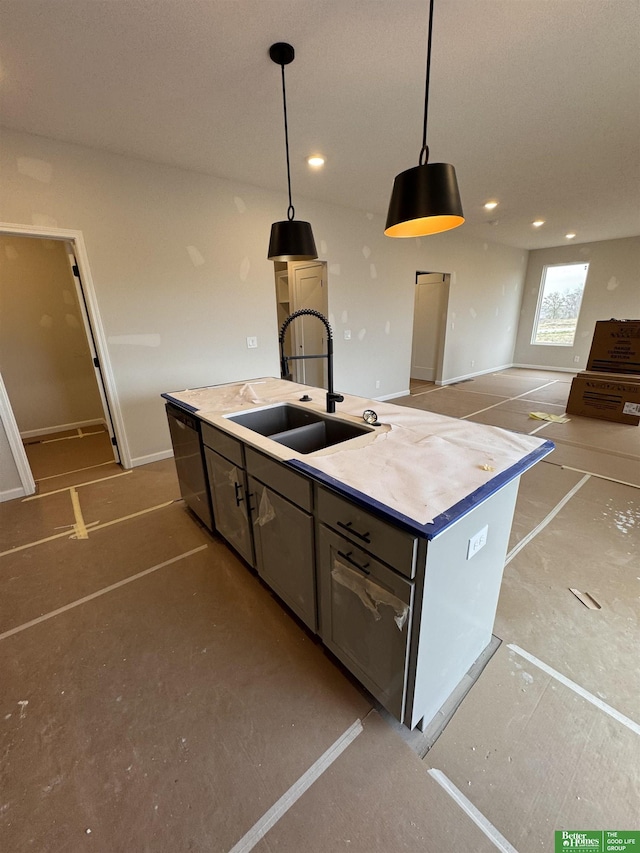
[(266, 512), (228, 398), (371, 594)]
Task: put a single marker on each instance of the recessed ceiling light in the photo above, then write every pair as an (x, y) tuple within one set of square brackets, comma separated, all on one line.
[(537, 223), (316, 161), (491, 205), (570, 236)]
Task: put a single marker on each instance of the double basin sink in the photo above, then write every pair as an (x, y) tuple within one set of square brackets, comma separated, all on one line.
[(297, 428)]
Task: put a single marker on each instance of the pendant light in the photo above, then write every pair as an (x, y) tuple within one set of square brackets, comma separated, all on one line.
[(291, 240), (425, 199)]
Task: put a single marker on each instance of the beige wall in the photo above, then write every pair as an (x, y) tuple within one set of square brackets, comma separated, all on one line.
[(44, 355), (612, 290), (178, 261)]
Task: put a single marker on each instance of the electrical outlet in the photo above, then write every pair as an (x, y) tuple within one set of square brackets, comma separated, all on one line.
[(252, 343), (347, 334), (576, 359), (377, 383), (477, 542)]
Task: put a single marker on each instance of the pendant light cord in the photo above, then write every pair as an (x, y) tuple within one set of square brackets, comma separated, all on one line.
[(290, 210), (424, 151)]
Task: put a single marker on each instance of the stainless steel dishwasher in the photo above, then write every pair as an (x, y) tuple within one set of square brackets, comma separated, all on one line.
[(190, 464)]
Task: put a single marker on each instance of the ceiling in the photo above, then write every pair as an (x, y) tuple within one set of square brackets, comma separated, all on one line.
[(535, 102)]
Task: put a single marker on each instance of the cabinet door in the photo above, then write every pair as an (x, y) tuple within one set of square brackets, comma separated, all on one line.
[(283, 535), (229, 498), (365, 617)]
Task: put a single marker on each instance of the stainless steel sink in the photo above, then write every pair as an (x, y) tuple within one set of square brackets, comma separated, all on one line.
[(300, 429)]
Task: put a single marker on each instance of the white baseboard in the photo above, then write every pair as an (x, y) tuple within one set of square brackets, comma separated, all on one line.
[(478, 373), (34, 433), (151, 457), (392, 396), (575, 369), (12, 494)]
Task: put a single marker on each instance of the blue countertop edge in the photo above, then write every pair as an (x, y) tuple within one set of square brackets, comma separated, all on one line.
[(445, 519), (180, 404)]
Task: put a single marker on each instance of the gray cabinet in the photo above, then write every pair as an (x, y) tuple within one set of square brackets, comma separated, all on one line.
[(283, 533), (406, 614), (267, 517), (365, 617), (283, 537), (228, 485)]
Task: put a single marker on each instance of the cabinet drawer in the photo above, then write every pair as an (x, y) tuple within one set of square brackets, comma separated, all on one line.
[(392, 545), (226, 445), (281, 479)]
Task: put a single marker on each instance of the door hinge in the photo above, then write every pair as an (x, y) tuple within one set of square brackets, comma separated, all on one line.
[(114, 441), (96, 363), (75, 270)]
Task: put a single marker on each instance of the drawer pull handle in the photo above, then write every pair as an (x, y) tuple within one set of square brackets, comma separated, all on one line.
[(366, 537), (238, 488), (350, 560)]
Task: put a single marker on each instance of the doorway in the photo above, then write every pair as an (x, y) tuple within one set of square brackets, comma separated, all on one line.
[(303, 284), (57, 408), (431, 302)]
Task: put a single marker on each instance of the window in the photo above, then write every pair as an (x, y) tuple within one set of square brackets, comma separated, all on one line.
[(559, 303)]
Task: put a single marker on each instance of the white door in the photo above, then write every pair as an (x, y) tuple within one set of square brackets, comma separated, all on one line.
[(92, 348), (308, 284), (429, 323)]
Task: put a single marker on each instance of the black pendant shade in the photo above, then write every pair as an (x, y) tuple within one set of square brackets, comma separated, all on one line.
[(425, 199), (291, 239)]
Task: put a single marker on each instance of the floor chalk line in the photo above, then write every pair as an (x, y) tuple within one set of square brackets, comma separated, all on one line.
[(90, 528), (471, 811), (287, 800), (77, 485), (594, 700), (548, 518), (100, 592)]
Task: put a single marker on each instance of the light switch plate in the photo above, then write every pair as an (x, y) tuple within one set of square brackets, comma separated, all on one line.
[(252, 343), (477, 542)]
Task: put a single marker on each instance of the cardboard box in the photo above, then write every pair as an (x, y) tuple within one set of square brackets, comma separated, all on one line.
[(609, 397), (616, 347)]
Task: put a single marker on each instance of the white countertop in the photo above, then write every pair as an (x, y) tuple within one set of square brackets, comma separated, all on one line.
[(422, 469)]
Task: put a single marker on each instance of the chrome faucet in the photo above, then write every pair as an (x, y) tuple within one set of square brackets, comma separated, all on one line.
[(332, 397)]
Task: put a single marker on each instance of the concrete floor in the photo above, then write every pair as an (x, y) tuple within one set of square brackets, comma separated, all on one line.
[(155, 696)]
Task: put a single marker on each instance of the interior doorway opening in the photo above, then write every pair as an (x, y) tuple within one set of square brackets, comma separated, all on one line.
[(430, 309), (57, 401), (303, 284)]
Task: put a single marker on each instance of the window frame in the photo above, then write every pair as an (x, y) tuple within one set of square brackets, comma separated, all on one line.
[(536, 319)]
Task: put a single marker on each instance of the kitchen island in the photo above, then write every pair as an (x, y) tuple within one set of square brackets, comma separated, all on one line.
[(390, 544)]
